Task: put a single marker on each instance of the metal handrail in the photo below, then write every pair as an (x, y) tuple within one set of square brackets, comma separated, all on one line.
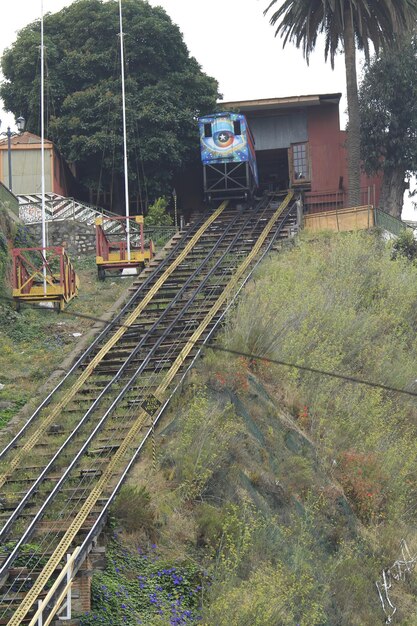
[(337, 197), (388, 222)]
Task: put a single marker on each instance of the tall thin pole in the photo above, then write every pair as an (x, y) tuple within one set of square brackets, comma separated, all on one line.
[(43, 153), (122, 61), (9, 153)]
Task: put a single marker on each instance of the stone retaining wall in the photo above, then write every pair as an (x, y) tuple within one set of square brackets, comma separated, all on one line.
[(79, 238)]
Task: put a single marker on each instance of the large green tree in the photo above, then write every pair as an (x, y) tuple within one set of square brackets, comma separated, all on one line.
[(165, 91), (346, 24), (388, 109)]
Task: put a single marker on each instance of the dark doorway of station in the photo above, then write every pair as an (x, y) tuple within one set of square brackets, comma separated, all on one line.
[(273, 168)]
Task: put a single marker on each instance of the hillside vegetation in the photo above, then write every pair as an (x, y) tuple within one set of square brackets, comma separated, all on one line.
[(274, 496), (290, 490)]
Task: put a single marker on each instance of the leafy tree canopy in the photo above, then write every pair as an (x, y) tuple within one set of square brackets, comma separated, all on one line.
[(348, 23), (165, 90), (388, 106)]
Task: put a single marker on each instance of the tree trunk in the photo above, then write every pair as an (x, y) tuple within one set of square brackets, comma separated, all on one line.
[(353, 135), (392, 191)]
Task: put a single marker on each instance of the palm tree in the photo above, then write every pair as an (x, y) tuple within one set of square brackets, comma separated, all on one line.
[(348, 23)]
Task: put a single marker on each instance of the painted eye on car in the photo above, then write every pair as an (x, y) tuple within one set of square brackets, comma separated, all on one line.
[(223, 138)]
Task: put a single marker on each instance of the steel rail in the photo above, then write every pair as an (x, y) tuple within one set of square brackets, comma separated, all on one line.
[(224, 254), (93, 345), (48, 420), (6, 527), (99, 523), (166, 333), (109, 325), (96, 529), (97, 490)]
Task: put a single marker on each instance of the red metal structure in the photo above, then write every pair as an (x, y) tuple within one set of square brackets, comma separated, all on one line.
[(112, 251), (43, 275)]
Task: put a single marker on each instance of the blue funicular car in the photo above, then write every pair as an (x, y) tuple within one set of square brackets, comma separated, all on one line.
[(228, 156)]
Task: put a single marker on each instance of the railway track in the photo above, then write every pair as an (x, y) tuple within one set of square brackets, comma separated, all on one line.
[(59, 474)]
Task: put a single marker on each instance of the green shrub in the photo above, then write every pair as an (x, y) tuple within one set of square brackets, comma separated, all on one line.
[(205, 435), (209, 525), (405, 245), (133, 510), (157, 214), (340, 304), (271, 595)]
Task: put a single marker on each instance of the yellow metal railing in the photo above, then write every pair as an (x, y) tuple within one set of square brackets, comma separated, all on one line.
[(65, 572), (353, 218)]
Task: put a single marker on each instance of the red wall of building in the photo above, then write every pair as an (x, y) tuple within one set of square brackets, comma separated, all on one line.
[(325, 152), (328, 155)]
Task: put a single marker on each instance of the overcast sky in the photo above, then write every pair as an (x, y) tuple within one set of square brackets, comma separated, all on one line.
[(231, 39)]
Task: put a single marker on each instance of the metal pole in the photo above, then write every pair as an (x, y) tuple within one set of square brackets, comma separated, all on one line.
[(174, 193), (9, 155), (69, 596), (43, 155), (40, 618), (122, 61)]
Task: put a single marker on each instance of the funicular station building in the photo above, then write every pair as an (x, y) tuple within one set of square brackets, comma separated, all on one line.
[(299, 145)]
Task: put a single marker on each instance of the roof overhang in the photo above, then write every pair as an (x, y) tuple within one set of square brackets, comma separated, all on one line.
[(24, 140), (270, 105)]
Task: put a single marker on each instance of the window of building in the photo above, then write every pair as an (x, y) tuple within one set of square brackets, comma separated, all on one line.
[(207, 130), (236, 128), (300, 163)]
